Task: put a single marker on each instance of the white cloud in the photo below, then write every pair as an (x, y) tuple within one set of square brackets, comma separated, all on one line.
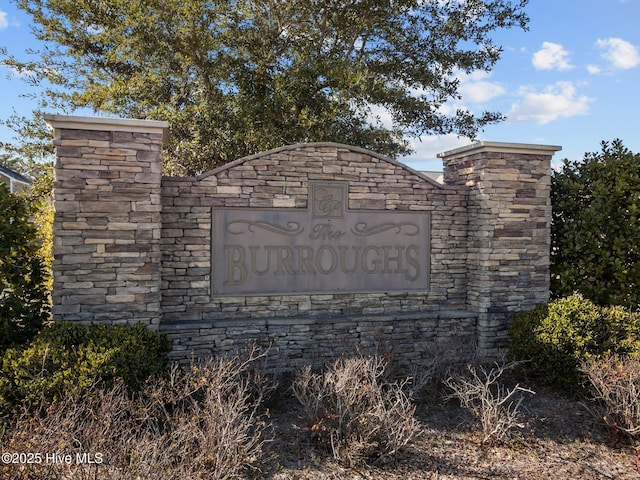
[(593, 69), (427, 148), (14, 72), (4, 23), (552, 56), (380, 116), (620, 53), (556, 101), (476, 89)]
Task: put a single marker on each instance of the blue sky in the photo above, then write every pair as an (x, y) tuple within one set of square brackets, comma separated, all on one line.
[(572, 79)]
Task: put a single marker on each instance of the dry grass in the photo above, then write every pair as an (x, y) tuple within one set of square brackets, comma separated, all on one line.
[(559, 439), (495, 406), (199, 423), (210, 422), (352, 411), (615, 387)]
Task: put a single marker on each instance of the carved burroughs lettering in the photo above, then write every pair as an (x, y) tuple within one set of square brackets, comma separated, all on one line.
[(325, 248)]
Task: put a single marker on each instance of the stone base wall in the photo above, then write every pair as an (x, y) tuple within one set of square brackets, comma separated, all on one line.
[(293, 342)]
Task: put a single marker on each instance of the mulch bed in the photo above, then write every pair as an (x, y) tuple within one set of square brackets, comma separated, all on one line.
[(559, 439)]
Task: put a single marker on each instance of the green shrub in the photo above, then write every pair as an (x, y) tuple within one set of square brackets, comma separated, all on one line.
[(67, 358), (24, 278), (556, 338)]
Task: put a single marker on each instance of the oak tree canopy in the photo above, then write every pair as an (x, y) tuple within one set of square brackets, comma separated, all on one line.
[(235, 77)]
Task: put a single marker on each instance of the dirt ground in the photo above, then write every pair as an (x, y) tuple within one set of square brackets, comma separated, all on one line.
[(559, 439)]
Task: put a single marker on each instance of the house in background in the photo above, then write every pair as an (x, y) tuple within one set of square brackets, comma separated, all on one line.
[(14, 180), (437, 176)]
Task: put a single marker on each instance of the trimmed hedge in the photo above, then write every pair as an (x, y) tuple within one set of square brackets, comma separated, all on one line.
[(68, 358), (555, 338)]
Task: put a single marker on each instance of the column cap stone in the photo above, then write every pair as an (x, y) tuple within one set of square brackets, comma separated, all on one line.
[(500, 147), (108, 124)]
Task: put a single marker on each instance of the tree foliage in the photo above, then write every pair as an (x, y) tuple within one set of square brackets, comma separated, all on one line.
[(595, 228), (39, 196), (24, 293), (235, 77)]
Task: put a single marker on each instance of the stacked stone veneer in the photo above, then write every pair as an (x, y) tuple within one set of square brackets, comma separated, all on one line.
[(509, 230), (107, 223), (131, 245)]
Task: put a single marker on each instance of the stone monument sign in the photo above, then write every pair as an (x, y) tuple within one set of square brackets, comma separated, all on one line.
[(312, 249)]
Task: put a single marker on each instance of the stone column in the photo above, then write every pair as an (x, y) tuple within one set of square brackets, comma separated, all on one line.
[(107, 219), (509, 237)]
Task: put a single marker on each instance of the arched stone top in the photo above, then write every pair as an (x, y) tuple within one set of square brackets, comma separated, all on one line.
[(317, 147)]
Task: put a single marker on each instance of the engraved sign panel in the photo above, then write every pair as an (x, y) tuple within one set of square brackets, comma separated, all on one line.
[(325, 248)]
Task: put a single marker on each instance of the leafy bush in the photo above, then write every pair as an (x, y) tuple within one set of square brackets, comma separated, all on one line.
[(24, 292), (198, 422), (354, 413), (595, 227), (555, 338), (68, 358)]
